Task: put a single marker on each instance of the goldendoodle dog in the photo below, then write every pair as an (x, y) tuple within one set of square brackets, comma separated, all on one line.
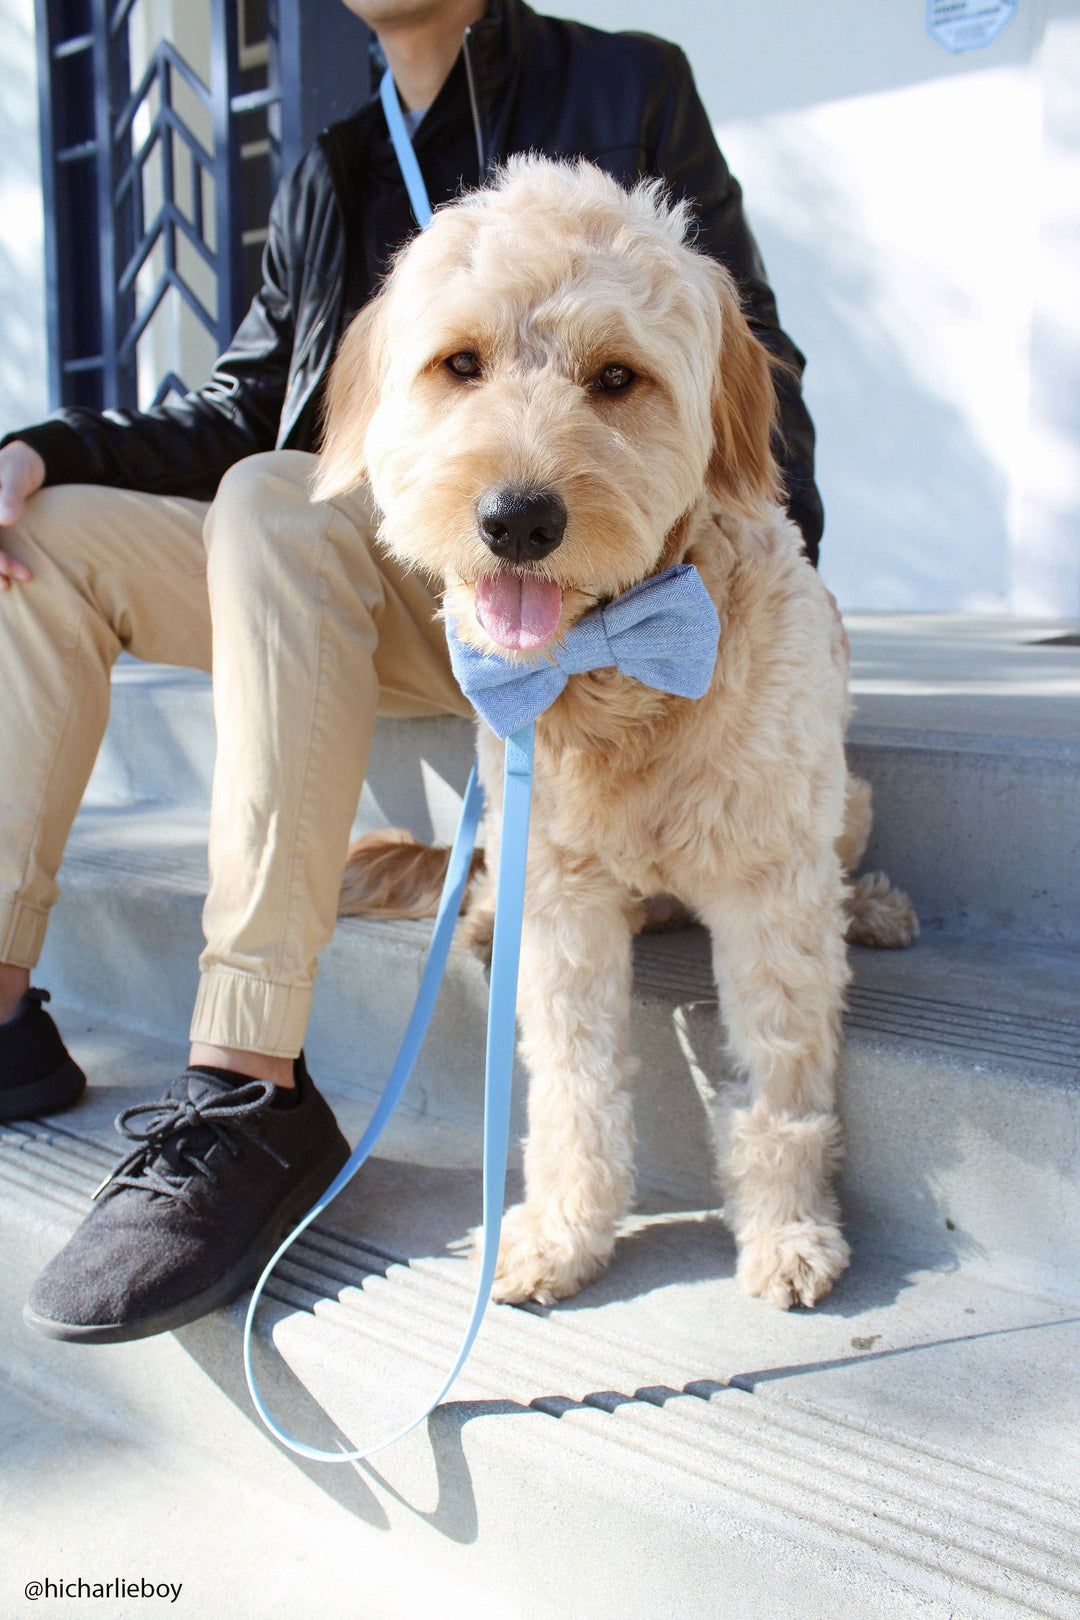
[(552, 346)]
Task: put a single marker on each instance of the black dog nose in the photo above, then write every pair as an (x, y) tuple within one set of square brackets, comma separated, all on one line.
[(520, 524)]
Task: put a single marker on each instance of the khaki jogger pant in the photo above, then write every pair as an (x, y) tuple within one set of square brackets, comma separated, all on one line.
[(309, 631)]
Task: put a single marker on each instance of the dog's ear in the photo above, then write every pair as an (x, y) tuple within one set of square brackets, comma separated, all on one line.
[(742, 469), (352, 394)]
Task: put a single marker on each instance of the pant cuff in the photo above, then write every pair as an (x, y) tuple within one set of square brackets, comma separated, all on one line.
[(22, 933), (250, 1014)]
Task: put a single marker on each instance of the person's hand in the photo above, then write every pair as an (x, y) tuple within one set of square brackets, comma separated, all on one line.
[(22, 473)]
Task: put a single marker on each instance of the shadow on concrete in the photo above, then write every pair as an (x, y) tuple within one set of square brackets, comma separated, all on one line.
[(419, 788), (287, 1395), (751, 1381)]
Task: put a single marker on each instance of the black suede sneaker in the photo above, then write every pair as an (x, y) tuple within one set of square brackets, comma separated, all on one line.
[(37, 1072), (189, 1218)]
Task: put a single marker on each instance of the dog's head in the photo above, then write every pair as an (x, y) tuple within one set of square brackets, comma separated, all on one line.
[(541, 391)]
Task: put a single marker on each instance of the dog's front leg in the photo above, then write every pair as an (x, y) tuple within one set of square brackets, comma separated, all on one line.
[(573, 1008), (781, 969)]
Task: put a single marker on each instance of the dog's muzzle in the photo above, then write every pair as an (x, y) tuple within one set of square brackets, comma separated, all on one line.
[(520, 524)]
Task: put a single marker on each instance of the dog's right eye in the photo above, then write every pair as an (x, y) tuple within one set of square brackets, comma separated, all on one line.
[(615, 378), (464, 364)]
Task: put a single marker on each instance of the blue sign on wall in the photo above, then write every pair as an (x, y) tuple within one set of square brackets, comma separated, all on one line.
[(964, 25)]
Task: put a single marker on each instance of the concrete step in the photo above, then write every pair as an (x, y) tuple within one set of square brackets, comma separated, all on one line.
[(910, 1448), (968, 728), (960, 1076)]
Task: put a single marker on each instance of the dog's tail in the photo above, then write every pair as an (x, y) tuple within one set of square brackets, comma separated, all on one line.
[(391, 874)]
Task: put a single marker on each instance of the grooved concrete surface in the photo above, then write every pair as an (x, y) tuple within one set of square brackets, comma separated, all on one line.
[(910, 1448)]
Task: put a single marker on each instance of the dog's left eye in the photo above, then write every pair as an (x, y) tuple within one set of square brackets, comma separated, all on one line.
[(614, 379), (465, 364)]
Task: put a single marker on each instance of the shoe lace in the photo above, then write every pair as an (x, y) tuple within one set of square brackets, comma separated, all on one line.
[(171, 1123)]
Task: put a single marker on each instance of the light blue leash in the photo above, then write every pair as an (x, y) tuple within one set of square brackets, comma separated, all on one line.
[(663, 632), (502, 1002), (403, 150)]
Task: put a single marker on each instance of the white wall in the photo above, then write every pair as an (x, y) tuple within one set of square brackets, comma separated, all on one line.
[(23, 380), (919, 214), (1048, 549)]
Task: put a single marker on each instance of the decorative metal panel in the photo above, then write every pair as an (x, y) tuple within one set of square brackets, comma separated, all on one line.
[(160, 155)]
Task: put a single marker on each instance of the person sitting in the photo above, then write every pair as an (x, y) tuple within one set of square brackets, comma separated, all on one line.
[(186, 535)]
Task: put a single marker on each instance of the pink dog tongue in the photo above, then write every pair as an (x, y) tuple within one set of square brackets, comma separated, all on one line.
[(518, 610)]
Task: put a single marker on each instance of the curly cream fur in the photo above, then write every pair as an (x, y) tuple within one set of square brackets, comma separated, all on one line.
[(734, 804)]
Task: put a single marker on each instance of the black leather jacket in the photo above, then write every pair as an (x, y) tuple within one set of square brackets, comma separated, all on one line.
[(523, 83)]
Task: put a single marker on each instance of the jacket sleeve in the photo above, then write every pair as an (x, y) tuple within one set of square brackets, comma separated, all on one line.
[(183, 447), (685, 155)]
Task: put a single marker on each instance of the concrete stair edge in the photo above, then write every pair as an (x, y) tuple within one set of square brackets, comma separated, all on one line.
[(748, 1497)]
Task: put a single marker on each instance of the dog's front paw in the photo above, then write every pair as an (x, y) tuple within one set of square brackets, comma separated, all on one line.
[(793, 1265), (542, 1260)]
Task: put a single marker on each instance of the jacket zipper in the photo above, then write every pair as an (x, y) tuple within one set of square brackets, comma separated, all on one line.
[(474, 104)]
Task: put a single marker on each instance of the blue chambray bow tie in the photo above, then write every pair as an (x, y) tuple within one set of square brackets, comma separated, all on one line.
[(664, 633)]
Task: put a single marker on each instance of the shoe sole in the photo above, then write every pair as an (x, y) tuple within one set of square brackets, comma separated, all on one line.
[(46, 1096), (223, 1292)]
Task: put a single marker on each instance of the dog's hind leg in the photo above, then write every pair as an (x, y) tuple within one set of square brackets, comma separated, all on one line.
[(778, 952), (573, 1006)]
